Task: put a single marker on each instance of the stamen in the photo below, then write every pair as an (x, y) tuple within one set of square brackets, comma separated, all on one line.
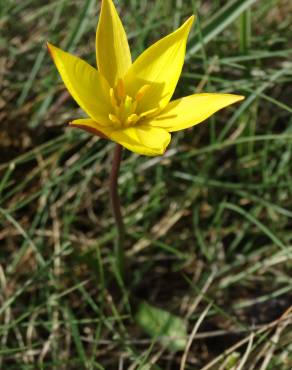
[(133, 118), (113, 98), (148, 112), (134, 105), (114, 119), (124, 107), (121, 91), (141, 92)]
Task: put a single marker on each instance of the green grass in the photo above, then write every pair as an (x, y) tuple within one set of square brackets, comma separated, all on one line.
[(208, 225)]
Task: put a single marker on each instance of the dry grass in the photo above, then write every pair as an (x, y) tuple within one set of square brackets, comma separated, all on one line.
[(208, 225)]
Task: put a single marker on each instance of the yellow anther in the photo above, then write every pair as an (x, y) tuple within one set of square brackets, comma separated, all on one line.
[(113, 98), (133, 118), (124, 107), (114, 119), (141, 92), (121, 91)]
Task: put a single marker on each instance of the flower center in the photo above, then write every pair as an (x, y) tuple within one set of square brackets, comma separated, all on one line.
[(124, 113)]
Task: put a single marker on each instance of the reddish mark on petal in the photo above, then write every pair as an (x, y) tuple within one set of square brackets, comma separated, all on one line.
[(91, 130)]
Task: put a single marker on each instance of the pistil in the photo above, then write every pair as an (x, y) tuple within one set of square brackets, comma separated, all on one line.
[(124, 106)]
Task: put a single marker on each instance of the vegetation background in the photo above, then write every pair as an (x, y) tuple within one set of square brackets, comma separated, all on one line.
[(208, 224)]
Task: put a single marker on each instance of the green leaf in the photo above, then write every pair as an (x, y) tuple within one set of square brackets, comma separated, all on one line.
[(232, 360), (149, 367), (161, 325), (216, 24)]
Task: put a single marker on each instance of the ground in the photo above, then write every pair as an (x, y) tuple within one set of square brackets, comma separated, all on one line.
[(208, 224)]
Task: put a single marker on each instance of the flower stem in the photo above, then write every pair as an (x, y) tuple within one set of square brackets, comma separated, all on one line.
[(116, 209)]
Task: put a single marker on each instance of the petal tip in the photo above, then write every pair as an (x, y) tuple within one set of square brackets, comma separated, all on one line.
[(50, 48), (188, 23), (49, 45), (191, 19), (238, 98), (233, 98)]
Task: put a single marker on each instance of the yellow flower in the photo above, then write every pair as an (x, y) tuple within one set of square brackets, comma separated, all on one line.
[(127, 102)]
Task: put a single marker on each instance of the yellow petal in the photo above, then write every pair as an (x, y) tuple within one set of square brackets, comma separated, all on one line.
[(85, 83), (113, 55), (191, 110), (159, 66), (141, 139)]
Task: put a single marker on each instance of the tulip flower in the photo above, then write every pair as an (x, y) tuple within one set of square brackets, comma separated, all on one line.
[(129, 102)]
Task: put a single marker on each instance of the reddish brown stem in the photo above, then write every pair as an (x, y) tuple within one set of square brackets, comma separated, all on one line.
[(116, 209)]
